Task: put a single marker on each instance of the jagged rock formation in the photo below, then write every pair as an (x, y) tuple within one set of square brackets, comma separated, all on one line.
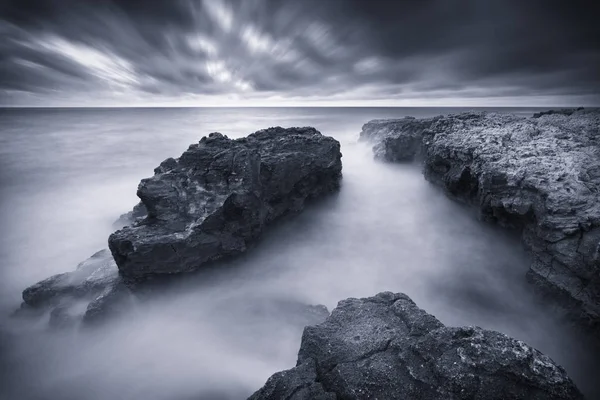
[(540, 175), (385, 347), (212, 202), (218, 197)]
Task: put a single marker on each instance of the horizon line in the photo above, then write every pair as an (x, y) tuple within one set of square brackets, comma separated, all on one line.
[(298, 106)]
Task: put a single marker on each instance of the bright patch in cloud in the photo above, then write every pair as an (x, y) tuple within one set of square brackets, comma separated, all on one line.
[(103, 65), (221, 13), (201, 43), (368, 65), (218, 71)]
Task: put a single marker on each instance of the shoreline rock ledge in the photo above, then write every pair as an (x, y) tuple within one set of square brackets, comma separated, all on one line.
[(213, 202), (540, 175), (385, 347)]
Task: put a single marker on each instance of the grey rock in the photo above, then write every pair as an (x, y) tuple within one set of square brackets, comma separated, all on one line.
[(60, 318), (110, 302), (398, 139), (86, 293), (539, 175), (138, 213), (299, 383), (218, 197), (564, 111), (385, 347)]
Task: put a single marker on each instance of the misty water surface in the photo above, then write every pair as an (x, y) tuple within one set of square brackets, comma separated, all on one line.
[(66, 175)]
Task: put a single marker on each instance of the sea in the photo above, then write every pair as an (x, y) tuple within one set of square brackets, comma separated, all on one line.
[(66, 174)]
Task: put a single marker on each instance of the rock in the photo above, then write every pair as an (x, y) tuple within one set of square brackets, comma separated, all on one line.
[(564, 111), (385, 347), (212, 202), (60, 318), (218, 197), (86, 293), (109, 303), (396, 140), (539, 175), (137, 214)]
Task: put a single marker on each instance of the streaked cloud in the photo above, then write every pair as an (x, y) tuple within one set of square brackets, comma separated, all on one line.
[(103, 52)]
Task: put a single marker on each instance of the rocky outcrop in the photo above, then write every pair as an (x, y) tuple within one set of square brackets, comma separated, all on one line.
[(212, 202), (385, 347), (87, 293), (539, 175), (218, 197)]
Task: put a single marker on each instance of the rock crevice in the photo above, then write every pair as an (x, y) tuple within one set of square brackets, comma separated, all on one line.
[(538, 175)]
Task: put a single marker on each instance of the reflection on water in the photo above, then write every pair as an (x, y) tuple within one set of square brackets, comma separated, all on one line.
[(67, 174)]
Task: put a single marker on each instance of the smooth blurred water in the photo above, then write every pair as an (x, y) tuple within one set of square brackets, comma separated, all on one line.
[(67, 174)]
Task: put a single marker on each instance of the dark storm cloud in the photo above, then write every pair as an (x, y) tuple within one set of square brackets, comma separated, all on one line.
[(253, 49)]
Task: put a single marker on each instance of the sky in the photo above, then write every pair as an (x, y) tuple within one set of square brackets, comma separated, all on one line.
[(299, 53)]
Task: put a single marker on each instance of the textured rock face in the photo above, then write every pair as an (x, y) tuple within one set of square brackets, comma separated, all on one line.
[(89, 292), (385, 347), (540, 175), (210, 203), (396, 140), (218, 197)]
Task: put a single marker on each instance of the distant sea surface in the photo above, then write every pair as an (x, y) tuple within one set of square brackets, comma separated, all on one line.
[(67, 174)]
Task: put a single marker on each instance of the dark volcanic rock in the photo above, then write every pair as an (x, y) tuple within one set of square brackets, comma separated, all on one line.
[(88, 292), (218, 197), (398, 139), (385, 347), (539, 175), (212, 202)]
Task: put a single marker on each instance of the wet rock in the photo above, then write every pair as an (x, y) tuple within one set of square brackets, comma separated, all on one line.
[(111, 301), (385, 347), (86, 293), (138, 213), (60, 318), (396, 139), (220, 195), (538, 175)]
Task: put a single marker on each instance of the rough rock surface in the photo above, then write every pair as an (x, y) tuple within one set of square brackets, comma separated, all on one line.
[(89, 292), (212, 202), (385, 347), (392, 146), (540, 175), (218, 197)]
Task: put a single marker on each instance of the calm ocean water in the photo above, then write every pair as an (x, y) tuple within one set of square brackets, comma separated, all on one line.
[(67, 174)]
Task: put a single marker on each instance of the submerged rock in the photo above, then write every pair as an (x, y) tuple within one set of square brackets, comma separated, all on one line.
[(385, 347), (80, 294), (219, 196), (540, 175)]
